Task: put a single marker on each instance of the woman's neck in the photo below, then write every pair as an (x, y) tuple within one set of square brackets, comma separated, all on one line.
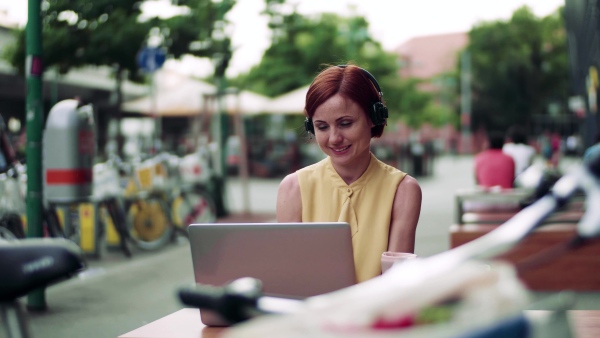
[(351, 172)]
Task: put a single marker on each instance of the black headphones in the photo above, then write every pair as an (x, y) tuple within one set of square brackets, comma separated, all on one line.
[(378, 111)]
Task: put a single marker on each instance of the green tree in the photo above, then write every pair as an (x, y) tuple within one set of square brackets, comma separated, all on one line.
[(303, 45), (519, 67), (77, 33)]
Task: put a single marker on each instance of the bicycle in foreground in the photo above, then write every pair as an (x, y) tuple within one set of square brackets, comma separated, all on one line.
[(458, 293), (30, 264)]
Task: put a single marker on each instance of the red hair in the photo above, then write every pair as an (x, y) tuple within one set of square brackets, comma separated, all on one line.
[(350, 82)]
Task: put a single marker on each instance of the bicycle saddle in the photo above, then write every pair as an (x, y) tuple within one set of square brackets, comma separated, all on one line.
[(33, 263)]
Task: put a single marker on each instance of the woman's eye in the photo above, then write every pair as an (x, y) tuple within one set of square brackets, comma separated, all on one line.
[(321, 127), (346, 123)]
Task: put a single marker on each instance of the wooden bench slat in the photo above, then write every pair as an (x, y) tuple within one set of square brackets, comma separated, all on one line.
[(577, 270)]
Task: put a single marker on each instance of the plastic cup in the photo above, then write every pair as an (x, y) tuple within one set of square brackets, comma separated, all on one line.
[(389, 258)]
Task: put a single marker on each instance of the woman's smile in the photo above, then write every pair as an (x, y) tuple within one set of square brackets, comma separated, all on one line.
[(340, 150)]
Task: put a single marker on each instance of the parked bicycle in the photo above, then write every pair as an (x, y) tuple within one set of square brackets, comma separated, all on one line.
[(192, 202), (12, 207), (108, 194), (28, 265), (163, 195)]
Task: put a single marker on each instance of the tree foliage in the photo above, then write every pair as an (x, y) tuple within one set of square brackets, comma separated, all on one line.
[(519, 67), (77, 33), (301, 46)]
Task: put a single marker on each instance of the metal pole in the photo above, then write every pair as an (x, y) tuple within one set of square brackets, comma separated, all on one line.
[(34, 122), (221, 133), (465, 101), (157, 142), (243, 153)]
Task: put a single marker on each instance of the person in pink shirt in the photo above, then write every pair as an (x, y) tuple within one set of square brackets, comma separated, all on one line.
[(492, 166)]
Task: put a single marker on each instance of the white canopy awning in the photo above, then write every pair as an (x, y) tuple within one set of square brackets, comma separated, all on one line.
[(178, 95), (246, 103), (289, 103), (175, 95)]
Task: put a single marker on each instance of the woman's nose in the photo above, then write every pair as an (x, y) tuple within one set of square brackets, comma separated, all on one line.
[(335, 136)]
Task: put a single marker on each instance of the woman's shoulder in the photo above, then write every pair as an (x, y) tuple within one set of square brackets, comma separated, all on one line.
[(410, 182), (289, 183), (409, 186)]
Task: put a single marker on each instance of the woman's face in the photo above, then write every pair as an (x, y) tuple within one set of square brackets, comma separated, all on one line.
[(343, 130)]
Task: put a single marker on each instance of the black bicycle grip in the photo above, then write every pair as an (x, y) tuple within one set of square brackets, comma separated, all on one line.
[(236, 301), (202, 296)]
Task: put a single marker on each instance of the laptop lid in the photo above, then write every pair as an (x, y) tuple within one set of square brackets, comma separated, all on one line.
[(295, 260)]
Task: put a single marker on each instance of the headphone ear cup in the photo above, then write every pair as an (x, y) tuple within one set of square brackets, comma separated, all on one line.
[(308, 125), (379, 114)]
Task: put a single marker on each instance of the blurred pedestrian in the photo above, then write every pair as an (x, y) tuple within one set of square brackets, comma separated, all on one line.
[(492, 166), (517, 148), (345, 109), (555, 143)]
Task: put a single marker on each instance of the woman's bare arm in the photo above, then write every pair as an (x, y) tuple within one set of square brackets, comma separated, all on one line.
[(405, 216), (289, 200)]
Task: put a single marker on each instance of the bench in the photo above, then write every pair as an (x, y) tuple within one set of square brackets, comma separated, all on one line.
[(576, 270), (567, 216), (496, 206)]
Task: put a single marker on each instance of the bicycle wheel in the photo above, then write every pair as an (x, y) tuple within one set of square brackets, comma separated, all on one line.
[(148, 223), (13, 224), (194, 206)]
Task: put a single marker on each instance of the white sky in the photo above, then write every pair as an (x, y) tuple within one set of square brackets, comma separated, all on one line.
[(392, 22)]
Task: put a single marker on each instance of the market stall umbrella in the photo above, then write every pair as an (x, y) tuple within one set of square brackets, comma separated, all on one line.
[(177, 95), (246, 103), (288, 104)]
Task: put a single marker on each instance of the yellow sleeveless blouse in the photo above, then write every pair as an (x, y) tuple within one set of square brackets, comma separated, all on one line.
[(366, 205)]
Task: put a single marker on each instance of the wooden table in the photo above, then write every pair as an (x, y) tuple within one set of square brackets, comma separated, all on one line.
[(186, 323)]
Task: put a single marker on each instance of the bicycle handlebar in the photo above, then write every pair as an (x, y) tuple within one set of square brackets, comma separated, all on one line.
[(235, 302)]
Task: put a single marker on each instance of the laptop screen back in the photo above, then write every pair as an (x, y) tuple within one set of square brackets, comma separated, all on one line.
[(295, 260)]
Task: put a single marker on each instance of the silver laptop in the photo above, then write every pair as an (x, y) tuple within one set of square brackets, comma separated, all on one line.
[(294, 260)]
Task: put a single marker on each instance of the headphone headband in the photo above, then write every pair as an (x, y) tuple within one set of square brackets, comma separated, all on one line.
[(371, 77), (378, 111)]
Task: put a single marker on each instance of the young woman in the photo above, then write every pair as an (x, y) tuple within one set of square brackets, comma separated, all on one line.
[(345, 109)]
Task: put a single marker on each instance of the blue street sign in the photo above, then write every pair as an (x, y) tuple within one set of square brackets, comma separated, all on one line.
[(151, 58)]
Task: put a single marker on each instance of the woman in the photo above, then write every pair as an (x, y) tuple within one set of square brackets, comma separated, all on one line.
[(345, 109)]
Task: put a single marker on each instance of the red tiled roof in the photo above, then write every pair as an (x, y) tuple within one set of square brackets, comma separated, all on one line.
[(427, 56)]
